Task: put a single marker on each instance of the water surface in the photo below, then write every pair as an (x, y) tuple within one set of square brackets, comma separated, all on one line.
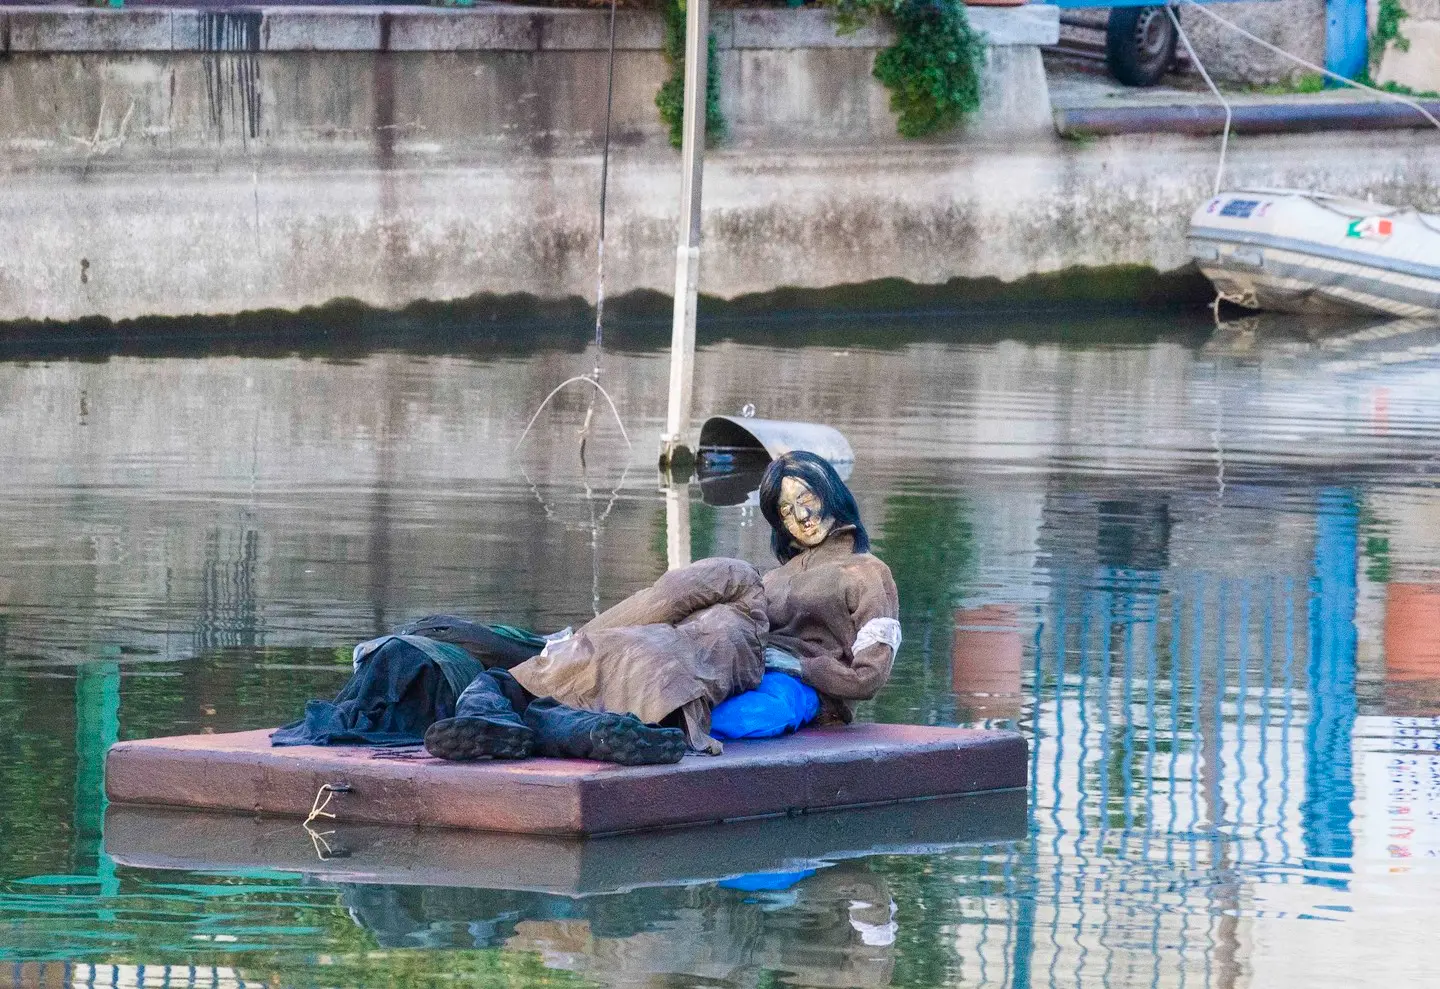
[(1200, 570)]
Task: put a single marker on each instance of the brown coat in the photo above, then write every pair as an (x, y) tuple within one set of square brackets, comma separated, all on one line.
[(687, 642), (817, 604)]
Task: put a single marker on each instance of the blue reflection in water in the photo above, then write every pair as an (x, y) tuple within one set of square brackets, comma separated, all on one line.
[(1329, 788), (97, 727), (1165, 733)]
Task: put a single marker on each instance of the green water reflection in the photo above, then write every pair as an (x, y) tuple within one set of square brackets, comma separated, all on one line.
[(1202, 573)]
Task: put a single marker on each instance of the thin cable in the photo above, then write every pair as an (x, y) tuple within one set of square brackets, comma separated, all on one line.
[(604, 190), (570, 381), (1195, 60), (600, 241), (593, 378), (1396, 97)]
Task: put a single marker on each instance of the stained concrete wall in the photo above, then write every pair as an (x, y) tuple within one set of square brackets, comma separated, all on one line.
[(181, 163), (1297, 26)]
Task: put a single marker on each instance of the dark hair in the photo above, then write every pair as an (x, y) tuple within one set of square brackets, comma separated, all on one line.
[(815, 472)]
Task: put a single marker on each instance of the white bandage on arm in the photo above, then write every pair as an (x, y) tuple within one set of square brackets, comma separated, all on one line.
[(886, 630)]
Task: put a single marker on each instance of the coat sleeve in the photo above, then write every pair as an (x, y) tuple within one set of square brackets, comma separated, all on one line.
[(870, 593)]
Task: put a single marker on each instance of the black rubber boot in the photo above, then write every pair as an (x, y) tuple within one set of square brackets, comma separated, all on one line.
[(486, 722), (567, 733)]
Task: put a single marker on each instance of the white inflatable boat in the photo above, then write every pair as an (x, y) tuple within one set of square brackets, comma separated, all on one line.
[(1305, 252)]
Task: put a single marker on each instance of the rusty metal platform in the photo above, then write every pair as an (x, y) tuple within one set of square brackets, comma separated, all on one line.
[(820, 769)]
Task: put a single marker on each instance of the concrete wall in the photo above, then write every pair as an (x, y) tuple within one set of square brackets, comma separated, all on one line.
[(1297, 26), (161, 162), (1418, 65)]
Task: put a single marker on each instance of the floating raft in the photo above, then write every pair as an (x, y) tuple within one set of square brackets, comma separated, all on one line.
[(206, 841), (819, 769)]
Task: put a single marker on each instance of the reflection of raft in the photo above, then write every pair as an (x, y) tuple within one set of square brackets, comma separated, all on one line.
[(1306, 252), (818, 769), (164, 838)]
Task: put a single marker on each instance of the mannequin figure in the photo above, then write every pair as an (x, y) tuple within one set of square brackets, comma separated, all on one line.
[(640, 683), (833, 608)]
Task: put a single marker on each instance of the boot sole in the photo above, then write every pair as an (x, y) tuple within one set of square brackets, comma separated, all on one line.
[(638, 745), (467, 739)]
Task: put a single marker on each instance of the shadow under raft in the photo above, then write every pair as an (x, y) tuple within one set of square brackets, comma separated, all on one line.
[(167, 838)]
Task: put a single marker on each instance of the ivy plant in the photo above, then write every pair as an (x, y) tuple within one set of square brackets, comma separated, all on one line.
[(1387, 32), (671, 98), (933, 68)]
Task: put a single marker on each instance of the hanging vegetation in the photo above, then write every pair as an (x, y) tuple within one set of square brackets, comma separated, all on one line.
[(1387, 32), (671, 98), (933, 68)]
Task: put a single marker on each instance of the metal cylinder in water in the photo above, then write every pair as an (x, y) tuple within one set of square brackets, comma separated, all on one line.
[(733, 442)]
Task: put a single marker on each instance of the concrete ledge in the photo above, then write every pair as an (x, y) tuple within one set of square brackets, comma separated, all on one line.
[(494, 28), (814, 770), (1032, 24), (78, 29)]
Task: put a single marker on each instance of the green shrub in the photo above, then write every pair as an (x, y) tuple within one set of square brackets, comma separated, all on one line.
[(671, 98), (933, 68), (1387, 32)]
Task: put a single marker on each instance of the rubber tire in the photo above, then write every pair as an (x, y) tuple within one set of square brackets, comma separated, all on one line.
[(1139, 44)]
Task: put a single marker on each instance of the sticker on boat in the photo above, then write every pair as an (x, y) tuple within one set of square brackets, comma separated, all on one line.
[(1240, 209), (1370, 228)]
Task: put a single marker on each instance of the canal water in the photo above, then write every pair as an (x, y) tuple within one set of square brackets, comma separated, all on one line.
[(1199, 568)]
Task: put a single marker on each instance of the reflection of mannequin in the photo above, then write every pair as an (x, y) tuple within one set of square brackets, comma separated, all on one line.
[(443, 917), (875, 922), (840, 931), (834, 928)]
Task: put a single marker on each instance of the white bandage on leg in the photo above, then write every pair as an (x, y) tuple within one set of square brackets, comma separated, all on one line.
[(886, 630)]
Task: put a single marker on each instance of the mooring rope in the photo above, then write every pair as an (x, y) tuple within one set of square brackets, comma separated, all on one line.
[(1194, 58), (328, 791)]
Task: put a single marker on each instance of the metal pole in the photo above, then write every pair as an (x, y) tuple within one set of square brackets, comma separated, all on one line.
[(687, 253)]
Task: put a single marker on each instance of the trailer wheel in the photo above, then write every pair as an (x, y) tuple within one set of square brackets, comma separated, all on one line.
[(1139, 44)]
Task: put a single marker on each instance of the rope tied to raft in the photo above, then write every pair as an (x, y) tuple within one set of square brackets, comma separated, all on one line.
[(327, 791), (592, 378), (320, 839)]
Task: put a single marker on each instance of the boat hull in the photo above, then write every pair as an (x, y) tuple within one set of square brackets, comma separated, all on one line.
[(1292, 253)]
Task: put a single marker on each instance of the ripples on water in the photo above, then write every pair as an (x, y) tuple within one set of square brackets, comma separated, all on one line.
[(1202, 571)]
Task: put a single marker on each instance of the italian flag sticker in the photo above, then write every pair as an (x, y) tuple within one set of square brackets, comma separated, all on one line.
[(1370, 228)]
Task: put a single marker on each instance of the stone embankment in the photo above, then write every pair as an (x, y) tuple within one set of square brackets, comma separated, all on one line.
[(173, 162)]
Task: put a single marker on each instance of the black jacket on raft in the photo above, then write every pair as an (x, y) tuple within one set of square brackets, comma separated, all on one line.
[(404, 682)]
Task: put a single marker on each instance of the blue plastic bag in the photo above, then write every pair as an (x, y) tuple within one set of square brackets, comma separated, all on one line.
[(779, 705)]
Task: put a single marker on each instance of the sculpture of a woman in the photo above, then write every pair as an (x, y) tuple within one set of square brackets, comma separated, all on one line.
[(639, 683)]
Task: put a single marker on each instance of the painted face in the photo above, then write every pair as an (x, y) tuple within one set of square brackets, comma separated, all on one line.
[(801, 513)]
